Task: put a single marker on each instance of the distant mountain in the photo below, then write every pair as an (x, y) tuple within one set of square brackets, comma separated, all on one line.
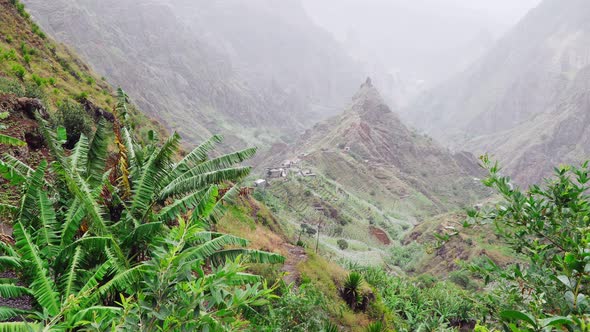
[(518, 100), (242, 68), (371, 153)]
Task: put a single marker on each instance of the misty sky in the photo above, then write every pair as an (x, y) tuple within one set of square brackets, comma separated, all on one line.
[(426, 39), (501, 14)]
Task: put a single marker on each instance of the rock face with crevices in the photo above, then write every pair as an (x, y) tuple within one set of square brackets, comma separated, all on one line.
[(204, 67), (525, 101), (369, 151)]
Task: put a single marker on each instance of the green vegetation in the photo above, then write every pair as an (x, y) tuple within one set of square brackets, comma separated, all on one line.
[(95, 243), (18, 71), (50, 71), (74, 119), (549, 226), (115, 229)]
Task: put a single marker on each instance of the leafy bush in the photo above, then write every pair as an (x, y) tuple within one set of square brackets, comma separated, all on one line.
[(351, 292), (37, 30), (9, 55), (81, 96), (20, 7), (406, 257), (549, 225), (74, 119), (342, 244), (18, 71), (89, 80), (32, 90), (427, 307), (376, 327), (40, 81), (297, 310)]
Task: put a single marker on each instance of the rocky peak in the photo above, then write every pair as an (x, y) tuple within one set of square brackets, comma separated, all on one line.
[(368, 104)]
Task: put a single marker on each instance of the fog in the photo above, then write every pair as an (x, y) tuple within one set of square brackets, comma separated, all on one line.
[(424, 41)]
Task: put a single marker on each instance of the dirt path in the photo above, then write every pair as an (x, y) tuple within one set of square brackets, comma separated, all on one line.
[(295, 255)]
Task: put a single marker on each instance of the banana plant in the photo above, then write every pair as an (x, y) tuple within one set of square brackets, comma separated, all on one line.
[(85, 228), (177, 293)]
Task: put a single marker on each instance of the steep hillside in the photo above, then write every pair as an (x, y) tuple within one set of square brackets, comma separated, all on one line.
[(33, 65), (534, 73), (365, 177), (208, 61), (425, 253), (369, 150)]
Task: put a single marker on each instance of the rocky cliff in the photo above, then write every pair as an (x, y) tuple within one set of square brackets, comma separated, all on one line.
[(209, 66), (511, 102), (371, 152)]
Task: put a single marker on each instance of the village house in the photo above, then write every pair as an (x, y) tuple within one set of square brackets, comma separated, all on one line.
[(275, 173), (260, 183), (307, 172)]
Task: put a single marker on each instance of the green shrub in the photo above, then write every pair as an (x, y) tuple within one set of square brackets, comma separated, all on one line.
[(9, 39), (20, 7), (18, 71), (9, 55), (330, 327), (406, 257), (40, 81), (299, 310), (342, 244), (27, 59), (75, 120), (424, 304), (81, 96), (37, 30), (351, 292), (463, 279), (549, 225), (376, 327)]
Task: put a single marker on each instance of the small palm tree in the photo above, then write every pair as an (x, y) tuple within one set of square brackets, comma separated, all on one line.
[(376, 327), (351, 292), (330, 327)]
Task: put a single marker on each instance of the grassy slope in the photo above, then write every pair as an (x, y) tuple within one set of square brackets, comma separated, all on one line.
[(468, 245), (345, 216), (51, 66), (257, 223)]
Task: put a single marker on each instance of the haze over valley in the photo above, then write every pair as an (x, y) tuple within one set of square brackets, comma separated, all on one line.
[(294, 165)]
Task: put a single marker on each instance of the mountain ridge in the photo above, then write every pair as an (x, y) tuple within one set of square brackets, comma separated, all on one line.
[(535, 70), (391, 164), (199, 75)]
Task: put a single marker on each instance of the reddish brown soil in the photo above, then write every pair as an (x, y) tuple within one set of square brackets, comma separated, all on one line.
[(380, 235)]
